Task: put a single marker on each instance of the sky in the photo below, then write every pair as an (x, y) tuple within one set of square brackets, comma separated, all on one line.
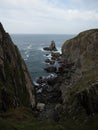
[(48, 16)]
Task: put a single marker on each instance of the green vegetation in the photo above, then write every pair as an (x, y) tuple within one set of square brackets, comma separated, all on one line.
[(85, 82), (23, 119)]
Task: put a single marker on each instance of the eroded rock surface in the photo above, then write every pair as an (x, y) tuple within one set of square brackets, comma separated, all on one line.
[(16, 88), (78, 92)]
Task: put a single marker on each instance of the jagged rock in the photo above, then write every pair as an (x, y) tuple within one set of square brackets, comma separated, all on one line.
[(82, 50), (49, 61), (79, 92), (41, 80), (52, 47), (46, 48), (55, 56), (50, 69), (40, 106), (51, 80), (16, 88), (88, 99)]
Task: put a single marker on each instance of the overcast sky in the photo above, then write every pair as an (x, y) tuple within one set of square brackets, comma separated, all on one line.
[(48, 16)]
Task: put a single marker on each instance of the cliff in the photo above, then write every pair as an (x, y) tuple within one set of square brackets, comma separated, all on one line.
[(16, 88), (72, 97), (79, 79)]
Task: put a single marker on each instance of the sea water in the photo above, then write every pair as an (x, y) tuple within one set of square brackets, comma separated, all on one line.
[(31, 48)]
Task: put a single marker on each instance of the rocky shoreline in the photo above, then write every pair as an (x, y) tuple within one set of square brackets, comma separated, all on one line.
[(68, 96), (48, 88), (70, 87)]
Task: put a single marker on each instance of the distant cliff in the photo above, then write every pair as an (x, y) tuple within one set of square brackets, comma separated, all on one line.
[(16, 88), (79, 79)]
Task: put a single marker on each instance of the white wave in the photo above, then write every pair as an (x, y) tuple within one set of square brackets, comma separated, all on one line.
[(59, 49), (35, 83), (25, 59), (25, 52), (51, 75), (42, 44), (49, 56), (29, 47), (27, 55), (39, 90), (41, 49)]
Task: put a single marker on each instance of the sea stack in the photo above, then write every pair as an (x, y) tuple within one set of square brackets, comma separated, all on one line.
[(52, 47)]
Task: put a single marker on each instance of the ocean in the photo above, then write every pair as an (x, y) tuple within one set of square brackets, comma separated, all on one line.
[(31, 48)]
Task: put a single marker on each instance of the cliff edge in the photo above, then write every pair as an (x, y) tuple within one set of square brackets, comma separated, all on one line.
[(79, 79), (16, 88)]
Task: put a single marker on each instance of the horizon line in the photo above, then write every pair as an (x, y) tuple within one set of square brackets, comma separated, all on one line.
[(40, 34)]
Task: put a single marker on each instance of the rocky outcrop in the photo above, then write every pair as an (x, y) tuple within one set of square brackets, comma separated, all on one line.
[(52, 47), (82, 50), (79, 85), (55, 56), (16, 88), (50, 69), (40, 106), (49, 61)]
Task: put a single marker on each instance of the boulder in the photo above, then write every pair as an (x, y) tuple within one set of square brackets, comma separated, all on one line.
[(46, 49), (55, 56), (50, 69), (41, 80), (49, 61), (40, 106)]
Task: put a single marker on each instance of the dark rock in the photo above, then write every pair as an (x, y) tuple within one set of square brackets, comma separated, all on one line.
[(52, 47), (56, 116), (5, 99), (49, 61), (47, 54), (89, 100), (78, 94), (50, 69), (55, 56), (16, 88), (52, 62), (46, 49), (74, 93), (41, 80), (52, 80)]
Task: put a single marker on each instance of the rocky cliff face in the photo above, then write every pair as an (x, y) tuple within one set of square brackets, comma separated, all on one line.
[(16, 88), (83, 50), (80, 76)]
